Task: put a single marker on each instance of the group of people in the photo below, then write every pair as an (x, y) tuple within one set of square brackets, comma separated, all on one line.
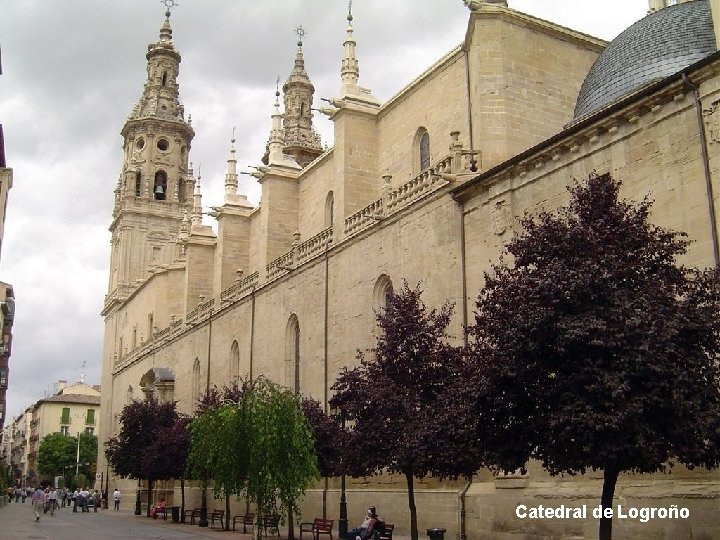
[(48, 499)]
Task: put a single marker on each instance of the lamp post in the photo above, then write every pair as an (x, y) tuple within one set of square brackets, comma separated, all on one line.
[(340, 416), (138, 505)]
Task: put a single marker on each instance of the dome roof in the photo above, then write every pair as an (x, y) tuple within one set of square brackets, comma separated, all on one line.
[(655, 47)]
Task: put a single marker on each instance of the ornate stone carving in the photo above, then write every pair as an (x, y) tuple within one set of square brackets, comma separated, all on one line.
[(500, 217), (712, 120)]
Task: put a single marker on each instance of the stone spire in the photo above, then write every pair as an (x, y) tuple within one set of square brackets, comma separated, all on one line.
[(301, 141), (231, 177), (350, 90), (350, 69), (277, 139), (196, 220)]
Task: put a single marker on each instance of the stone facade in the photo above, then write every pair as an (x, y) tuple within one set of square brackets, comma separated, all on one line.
[(287, 289)]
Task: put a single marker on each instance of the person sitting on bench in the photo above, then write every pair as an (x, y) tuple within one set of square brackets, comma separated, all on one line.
[(158, 508), (363, 531)]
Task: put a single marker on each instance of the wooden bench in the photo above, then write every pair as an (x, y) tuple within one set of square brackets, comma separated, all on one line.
[(246, 519), (194, 513), (219, 515), (273, 523), (387, 533), (317, 527), (161, 512)]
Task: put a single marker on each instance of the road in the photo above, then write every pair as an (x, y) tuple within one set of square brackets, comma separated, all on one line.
[(17, 522)]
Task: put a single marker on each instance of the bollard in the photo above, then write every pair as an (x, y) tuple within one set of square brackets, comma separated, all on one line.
[(436, 534)]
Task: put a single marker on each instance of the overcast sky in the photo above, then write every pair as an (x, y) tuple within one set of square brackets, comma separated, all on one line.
[(72, 71)]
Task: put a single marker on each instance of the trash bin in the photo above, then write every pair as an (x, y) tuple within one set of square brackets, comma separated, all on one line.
[(175, 513), (436, 534)]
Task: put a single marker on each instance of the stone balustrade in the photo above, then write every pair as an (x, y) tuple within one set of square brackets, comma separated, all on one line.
[(240, 288), (282, 264), (426, 182), (314, 246), (362, 218)]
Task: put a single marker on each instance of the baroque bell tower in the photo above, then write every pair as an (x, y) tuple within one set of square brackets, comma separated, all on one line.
[(155, 188)]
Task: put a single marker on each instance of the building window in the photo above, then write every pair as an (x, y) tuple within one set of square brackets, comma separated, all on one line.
[(65, 430), (138, 183), (329, 209), (90, 431), (90, 417), (424, 151), (234, 361), (3, 378), (164, 78), (160, 185), (292, 351), (382, 292), (65, 417)]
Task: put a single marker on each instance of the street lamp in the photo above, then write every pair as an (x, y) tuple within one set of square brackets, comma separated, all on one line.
[(340, 417), (203, 522), (138, 505)]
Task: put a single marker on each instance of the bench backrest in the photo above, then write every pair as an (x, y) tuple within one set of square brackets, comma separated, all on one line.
[(387, 533), (220, 513), (249, 518), (323, 525)]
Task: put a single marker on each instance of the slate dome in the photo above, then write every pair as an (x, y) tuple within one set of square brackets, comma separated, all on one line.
[(655, 47)]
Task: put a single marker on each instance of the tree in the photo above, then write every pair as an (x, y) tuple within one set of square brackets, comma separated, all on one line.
[(141, 422), (403, 398), (260, 446), (166, 457), (331, 443), (57, 453), (596, 350)]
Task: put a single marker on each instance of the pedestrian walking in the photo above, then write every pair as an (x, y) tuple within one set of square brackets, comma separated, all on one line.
[(75, 499), (53, 497), (38, 502), (116, 498)]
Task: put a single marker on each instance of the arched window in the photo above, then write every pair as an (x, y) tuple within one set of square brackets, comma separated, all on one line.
[(424, 151), (164, 78), (195, 391), (138, 183), (160, 185), (329, 209), (382, 292), (292, 352), (234, 361)]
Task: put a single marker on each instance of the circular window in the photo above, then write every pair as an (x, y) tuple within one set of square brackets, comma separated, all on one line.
[(140, 143), (163, 144)]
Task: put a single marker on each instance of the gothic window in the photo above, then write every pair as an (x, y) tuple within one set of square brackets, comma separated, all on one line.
[(382, 292), (329, 209), (160, 185), (195, 394), (164, 78), (292, 351), (424, 150), (234, 361), (138, 183)]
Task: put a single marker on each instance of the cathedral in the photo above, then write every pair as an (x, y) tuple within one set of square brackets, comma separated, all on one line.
[(425, 187)]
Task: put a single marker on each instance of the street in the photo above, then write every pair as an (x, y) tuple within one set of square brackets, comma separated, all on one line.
[(17, 522)]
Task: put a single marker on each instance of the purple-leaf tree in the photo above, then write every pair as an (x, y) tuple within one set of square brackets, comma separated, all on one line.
[(141, 422), (403, 398), (595, 349)]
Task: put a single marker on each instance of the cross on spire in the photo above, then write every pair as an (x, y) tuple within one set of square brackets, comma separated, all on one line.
[(301, 33), (169, 4)]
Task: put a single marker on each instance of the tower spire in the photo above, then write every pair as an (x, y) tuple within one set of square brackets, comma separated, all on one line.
[(350, 70), (231, 177), (301, 140), (196, 220)]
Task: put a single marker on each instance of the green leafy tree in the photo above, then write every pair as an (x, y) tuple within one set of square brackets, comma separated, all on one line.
[(141, 422), (260, 446), (596, 350), (56, 452), (408, 415)]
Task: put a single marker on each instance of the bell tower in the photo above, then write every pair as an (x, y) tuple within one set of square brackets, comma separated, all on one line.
[(155, 188)]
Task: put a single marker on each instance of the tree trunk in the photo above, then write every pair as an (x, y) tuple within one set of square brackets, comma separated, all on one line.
[(227, 512), (610, 476), (411, 506), (291, 527), (149, 497)]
